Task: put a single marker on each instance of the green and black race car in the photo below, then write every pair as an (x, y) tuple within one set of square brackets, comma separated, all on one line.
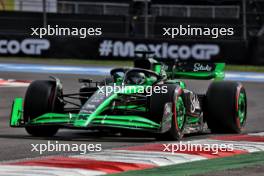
[(148, 98)]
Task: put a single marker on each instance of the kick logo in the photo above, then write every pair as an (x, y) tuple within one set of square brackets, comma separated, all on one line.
[(195, 105), (26, 46)]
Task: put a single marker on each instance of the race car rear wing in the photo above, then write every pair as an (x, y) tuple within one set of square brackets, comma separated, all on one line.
[(180, 69), (197, 70)]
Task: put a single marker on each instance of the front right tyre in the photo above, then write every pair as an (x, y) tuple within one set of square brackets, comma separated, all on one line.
[(175, 97)]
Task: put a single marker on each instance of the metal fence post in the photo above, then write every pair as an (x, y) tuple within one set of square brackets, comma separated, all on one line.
[(44, 13), (244, 20), (146, 18)]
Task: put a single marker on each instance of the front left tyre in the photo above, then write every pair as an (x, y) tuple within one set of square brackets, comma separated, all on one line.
[(41, 97)]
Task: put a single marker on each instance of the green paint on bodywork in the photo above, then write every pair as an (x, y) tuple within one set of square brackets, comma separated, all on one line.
[(83, 120), (242, 107), (140, 108), (192, 120), (56, 118), (157, 68), (17, 112), (181, 112), (217, 73), (129, 121), (99, 109)]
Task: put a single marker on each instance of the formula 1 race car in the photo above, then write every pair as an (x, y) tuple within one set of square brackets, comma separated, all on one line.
[(148, 98)]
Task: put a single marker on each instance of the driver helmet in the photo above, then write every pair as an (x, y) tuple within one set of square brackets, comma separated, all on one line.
[(136, 78)]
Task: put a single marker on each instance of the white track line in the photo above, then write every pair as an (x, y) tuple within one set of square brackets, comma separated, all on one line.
[(257, 134), (13, 83), (238, 145), (14, 170), (144, 157)]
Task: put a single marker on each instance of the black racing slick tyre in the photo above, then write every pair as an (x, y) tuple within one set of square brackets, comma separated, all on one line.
[(174, 97), (226, 107), (41, 98)]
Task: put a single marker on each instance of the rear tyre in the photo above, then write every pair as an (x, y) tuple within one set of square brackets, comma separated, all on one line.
[(226, 107), (174, 96), (41, 98)]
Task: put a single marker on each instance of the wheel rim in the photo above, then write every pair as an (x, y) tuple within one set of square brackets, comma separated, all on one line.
[(242, 107), (180, 110)]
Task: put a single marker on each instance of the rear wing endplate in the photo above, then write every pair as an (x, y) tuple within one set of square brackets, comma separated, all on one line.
[(198, 70)]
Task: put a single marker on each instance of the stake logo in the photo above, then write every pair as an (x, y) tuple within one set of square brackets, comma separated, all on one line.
[(163, 50), (201, 67), (26, 46)]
